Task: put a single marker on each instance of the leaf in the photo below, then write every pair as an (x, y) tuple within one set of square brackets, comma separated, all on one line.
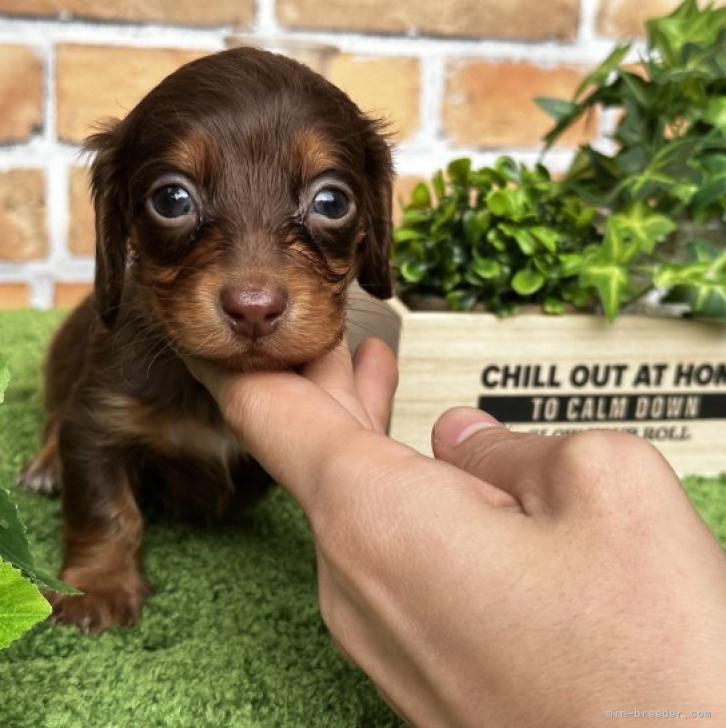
[(716, 112), (475, 223), (525, 240), (439, 185), (638, 89), (21, 605), (611, 282), (421, 197), (15, 550), (713, 190), (509, 202), (458, 171), (507, 169), (603, 71), (570, 264), (486, 268), (556, 108), (403, 235), (701, 283), (642, 227), (553, 306), (547, 236), (527, 281), (460, 300), (413, 216)]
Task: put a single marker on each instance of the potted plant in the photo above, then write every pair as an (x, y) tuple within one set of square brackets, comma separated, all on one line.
[(638, 232)]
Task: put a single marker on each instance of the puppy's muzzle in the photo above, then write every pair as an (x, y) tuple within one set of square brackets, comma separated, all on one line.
[(255, 308)]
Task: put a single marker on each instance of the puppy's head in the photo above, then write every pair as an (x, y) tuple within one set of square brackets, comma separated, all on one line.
[(242, 196)]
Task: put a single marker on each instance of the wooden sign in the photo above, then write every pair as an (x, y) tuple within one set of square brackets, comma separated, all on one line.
[(658, 378)]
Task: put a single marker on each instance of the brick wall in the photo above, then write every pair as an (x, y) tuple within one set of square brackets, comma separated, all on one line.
[(455, 78)]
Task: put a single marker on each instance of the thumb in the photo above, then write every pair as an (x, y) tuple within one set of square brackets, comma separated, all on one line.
[(477, 443)]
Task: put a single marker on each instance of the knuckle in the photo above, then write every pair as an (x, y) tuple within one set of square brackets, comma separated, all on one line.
[(584, 450), (604, 465)]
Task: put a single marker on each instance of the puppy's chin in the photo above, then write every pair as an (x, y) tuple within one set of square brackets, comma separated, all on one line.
[(261, 355)]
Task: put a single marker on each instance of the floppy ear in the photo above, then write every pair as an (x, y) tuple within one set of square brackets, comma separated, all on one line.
[(374, 271), (110, 205)]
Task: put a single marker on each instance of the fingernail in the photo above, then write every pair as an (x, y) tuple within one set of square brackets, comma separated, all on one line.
[(460, 423)]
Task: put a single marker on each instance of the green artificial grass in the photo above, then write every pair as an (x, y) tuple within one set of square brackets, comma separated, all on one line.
[(231, 637)]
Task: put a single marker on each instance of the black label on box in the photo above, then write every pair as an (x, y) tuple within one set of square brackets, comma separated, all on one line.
[(603, 408)]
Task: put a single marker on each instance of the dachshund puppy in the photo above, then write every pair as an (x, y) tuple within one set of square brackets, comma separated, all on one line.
[(233, 207)]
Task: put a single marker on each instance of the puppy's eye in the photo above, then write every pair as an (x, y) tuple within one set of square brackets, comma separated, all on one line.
[(172, 201), (330, 203)]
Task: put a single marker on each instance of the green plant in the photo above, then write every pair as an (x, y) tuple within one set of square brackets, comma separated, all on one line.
[(671, 136), (671, 146), (503, 235), (506, 235), (605, 234), (21, 603)]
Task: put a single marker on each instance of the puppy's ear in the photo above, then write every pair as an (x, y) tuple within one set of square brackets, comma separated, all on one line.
[(111, 206), (374, 271)]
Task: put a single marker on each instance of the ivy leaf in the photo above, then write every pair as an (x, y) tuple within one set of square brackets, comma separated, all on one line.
[(527, 281), (15, 550), (602, 72), (611, 281), (713, 190), (21, 605), (642, 227), (716, 112), (701, 283), (556, 108)]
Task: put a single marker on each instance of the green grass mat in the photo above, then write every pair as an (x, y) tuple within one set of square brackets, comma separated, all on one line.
[(232, 637)]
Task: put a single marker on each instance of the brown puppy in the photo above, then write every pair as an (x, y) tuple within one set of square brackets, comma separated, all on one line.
[(234, 205)]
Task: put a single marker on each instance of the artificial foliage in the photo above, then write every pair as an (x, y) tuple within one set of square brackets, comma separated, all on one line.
[(650, 216), (21, 603)]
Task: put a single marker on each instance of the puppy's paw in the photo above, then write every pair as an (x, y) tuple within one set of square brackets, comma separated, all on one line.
[(117, 603), (41, 474)]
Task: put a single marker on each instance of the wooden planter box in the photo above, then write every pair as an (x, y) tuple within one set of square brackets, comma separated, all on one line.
[(659, 378)]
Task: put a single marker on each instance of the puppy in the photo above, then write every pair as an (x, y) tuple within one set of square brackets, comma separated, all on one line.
[(233, 207)]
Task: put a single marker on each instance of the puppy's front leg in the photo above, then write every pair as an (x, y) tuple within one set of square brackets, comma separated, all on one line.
[(102, 537)]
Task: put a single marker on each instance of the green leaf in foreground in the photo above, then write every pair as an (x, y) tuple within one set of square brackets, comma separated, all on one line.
[(21, 605), (15, 550)]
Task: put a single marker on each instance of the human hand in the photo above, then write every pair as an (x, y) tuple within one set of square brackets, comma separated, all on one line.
[(515, 580)]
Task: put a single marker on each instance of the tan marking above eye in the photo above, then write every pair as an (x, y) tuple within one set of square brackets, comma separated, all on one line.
[(314, 154)]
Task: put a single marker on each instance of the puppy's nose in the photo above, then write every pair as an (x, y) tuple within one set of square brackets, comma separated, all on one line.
[(254, 309)]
